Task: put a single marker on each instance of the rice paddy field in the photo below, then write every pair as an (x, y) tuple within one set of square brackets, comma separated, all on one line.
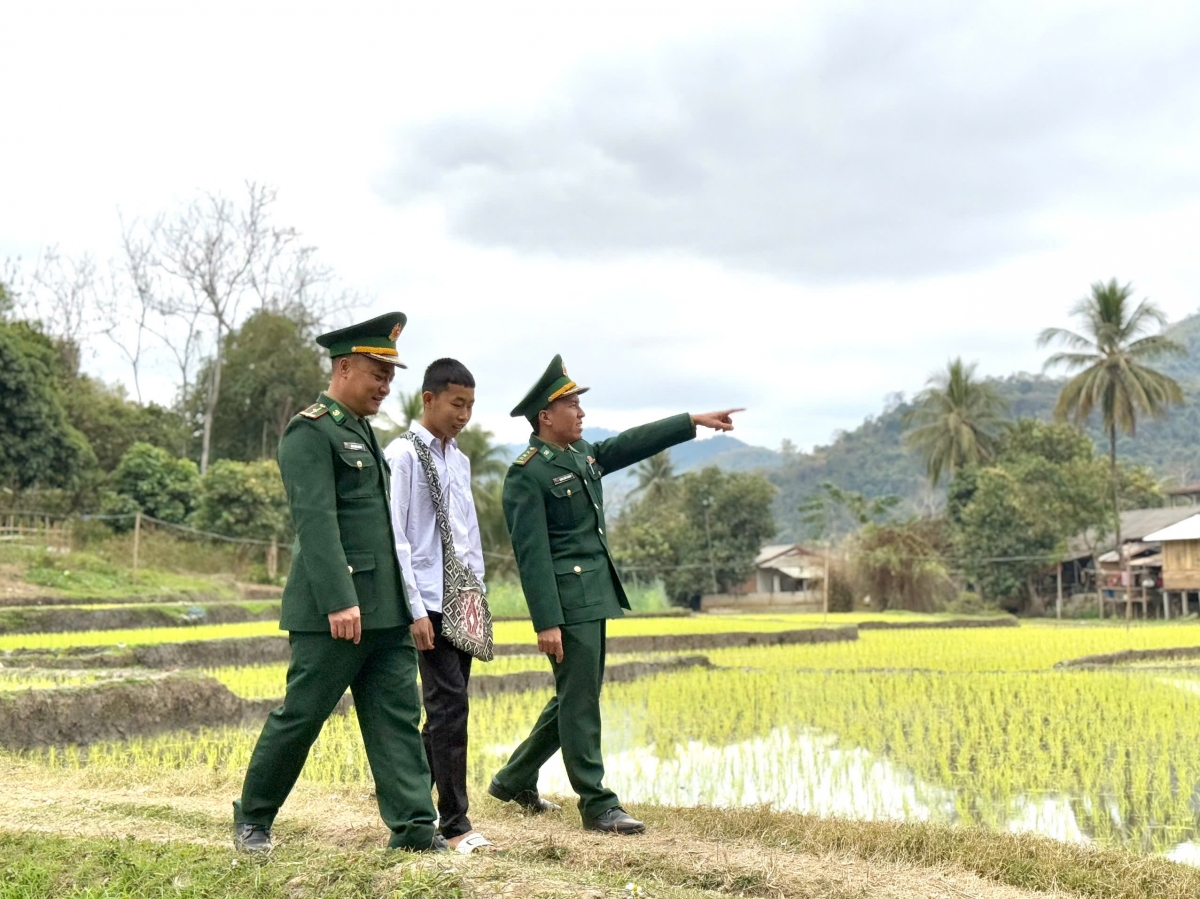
[(961, 726)]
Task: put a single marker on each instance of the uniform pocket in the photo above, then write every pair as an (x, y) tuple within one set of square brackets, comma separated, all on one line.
[(362, 571), (573, 577), (357, 475), (567, 504)]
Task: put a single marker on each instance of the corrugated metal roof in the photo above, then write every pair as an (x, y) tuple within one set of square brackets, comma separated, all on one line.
[(771, 551), (1136, 524), (1188, 529)]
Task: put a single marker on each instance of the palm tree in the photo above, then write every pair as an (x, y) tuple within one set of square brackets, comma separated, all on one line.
[(476, 443), (1110, 356), (656, 477), (956, 421), (412, 407)]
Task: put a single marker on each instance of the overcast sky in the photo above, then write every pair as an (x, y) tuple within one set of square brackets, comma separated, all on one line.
[(799, 209)]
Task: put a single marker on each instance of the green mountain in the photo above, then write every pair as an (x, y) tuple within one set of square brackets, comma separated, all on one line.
[(872, 458)]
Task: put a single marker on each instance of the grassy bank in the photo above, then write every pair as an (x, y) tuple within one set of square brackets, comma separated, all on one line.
[(91, 575), (332, 846)]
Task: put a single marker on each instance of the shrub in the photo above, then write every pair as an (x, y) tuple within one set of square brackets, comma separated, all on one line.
[(150, 479), (243, 499)]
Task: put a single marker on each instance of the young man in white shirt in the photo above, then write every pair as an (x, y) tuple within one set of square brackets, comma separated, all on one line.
[(448, 392)]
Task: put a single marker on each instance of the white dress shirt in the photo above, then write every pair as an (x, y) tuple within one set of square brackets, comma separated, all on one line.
[(418, 541)]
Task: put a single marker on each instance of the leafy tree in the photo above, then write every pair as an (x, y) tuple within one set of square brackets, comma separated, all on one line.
[(902, 565), (833, 510), (476, 444), (711, 529), (243, 499), (150, 479), (112, 423), (1111, 357), (1013, 517), (956, 421), (38, 445), (487, 482), (655, 478), (272, 369), (493, 530)]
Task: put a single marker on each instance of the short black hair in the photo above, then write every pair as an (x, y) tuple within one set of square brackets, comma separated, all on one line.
[(441, 373)]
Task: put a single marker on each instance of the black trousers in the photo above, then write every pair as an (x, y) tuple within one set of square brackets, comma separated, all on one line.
[(445, 671)]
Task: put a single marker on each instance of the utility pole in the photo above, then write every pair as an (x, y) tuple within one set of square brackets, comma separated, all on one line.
[(1058, 599), (712, 565), (825, 584), (137, 539)]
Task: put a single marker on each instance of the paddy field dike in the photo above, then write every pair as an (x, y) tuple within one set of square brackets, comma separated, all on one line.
[(831, 756)]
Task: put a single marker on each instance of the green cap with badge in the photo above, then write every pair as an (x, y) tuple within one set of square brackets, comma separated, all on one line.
[(375, 338), (554, 384)]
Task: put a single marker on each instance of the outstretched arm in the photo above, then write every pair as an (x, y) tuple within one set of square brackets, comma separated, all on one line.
[(632, 446)]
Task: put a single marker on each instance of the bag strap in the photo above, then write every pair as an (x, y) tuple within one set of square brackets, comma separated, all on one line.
[(435, 492)]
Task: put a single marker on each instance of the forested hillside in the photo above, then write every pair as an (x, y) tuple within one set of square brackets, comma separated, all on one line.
[(872, 458)]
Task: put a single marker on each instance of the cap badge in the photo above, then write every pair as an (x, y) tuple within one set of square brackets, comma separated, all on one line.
[(395, 333)]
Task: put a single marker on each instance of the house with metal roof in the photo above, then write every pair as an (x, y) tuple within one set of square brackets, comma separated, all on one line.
[(1180, 562)]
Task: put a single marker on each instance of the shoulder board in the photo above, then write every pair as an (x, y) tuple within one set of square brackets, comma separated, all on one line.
[(316, 410), (524, 458)]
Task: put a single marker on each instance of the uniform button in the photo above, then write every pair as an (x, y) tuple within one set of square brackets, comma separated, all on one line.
[(568, 491), (350, 568), (601, 530), (597, 505), (360, 463), (578, 570)]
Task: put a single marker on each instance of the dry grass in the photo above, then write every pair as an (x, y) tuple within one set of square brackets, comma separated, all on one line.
[(686, 853)]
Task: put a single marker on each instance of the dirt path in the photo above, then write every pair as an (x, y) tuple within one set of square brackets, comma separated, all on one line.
[(548, 856)]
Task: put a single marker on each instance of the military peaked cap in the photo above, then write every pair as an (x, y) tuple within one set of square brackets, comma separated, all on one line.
[(554, 384), (375, 338)]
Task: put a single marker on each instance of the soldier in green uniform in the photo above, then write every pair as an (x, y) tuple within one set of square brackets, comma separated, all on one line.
[(554, 506), (344, 605)]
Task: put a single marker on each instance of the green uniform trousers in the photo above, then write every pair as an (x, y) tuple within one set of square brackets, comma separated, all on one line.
[(381, 673), (570, 721)]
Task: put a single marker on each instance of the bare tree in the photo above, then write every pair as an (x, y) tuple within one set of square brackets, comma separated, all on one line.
[(129, 310), (63, 296), (223, 258)]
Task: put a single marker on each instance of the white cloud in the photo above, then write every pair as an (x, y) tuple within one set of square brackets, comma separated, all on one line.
[(951, 136)]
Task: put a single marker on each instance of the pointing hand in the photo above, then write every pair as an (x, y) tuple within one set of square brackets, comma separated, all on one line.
[(718, 421)]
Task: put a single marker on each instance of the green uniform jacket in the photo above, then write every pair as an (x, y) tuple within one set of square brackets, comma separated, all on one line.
[(554, 507), (345, 553)]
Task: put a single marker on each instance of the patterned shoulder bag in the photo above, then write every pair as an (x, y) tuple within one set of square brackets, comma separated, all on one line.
[(466, 618)]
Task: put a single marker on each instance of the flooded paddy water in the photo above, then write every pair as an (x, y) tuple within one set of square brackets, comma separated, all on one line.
[(974, 727)]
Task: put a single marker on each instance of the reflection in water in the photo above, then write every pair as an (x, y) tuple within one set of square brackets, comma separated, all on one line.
[(798, 770)]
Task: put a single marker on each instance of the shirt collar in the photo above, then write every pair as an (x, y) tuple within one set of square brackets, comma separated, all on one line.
[(427, 435), (535, 440)]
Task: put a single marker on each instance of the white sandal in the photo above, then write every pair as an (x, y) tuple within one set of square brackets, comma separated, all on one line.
[(469, 844)]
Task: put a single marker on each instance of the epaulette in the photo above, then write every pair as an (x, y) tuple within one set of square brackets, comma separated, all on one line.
[(524, 458), (316, 410)]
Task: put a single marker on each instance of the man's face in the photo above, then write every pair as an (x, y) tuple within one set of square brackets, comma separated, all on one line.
[(562, 421), (366, 384), (448, 412)]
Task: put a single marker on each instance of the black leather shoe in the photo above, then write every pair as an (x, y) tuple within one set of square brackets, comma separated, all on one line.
[(252, 837), (615, 820), (438, 844), (527, 799)]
